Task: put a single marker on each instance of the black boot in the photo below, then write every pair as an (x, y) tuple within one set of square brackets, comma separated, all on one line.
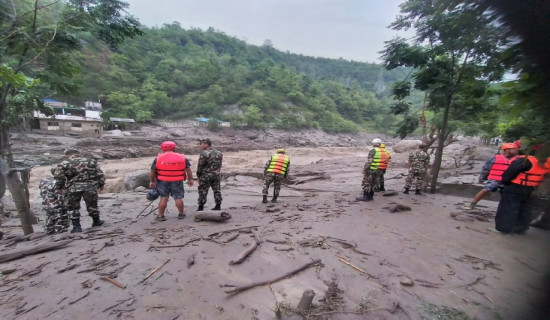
[(201, 207), (417, 192), (406, 191), (217, 207), (97, 222), (274, 199), (76, 227), (366, 197), (382, 187), (264, 199)]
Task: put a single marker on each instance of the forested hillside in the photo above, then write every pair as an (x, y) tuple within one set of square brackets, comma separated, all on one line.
[(170, 72)]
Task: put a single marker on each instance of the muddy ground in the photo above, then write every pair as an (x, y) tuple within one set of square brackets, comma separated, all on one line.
[(435, 261)]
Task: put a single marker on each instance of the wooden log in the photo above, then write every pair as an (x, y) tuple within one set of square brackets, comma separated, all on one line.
[(212, 216), (286, 275), (240, 258), (27, 252), (305, 302)]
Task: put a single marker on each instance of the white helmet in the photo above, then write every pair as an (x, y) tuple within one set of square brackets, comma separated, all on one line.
[(376, 141)]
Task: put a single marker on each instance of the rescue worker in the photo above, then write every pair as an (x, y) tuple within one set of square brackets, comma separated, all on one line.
[(82, 178), (370, 171), (520, 179), (168, 171), (209, 174), (276, 169), (53, 204), (418, 165), (492, 172), (385, 157)]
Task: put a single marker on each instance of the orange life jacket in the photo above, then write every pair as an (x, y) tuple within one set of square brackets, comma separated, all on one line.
[(533, 177), (499, 166), (171, 166), (278, 164), (385, 157)]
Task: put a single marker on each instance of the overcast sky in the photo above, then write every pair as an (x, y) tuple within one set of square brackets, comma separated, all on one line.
[(349, 29)]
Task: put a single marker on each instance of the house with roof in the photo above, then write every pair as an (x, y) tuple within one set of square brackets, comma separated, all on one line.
[(69, 118)]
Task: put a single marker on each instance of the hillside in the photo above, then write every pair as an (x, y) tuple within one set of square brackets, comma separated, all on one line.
[(170, 72)]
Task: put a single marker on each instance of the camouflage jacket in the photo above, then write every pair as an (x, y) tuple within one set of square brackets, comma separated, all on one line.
[(80, 171), (419, 161), (52, 196), (210, 162)]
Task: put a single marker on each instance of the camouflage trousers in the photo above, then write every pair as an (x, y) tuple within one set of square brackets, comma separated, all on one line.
[(369, 178), (73, 202), (205, 183), (415, 174), (274, 178), (57, 220)]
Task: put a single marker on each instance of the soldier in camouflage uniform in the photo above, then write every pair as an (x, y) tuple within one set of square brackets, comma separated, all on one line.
[(276, 169), (53, 203), (83, 179), (419, 162), (208, 173)]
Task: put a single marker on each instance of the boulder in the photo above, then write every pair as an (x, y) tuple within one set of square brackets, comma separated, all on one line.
[(406, 146), (135, 179)]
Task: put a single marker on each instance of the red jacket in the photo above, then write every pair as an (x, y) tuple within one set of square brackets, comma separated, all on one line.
[(499, 166)]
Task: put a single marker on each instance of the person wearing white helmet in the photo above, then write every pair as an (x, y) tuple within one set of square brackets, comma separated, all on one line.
[(370, 171)]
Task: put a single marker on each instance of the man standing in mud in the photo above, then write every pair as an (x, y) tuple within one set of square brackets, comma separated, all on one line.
[(83, 178), (385, 157), (276, 169), (168, 171), (418, 165), (208, 173), (370, 171), (53, 203)]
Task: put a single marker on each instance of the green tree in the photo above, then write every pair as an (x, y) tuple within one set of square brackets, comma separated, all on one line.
[(38, 41), (457, 48)]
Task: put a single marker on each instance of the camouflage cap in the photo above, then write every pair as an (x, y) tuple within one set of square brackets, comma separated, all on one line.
[(206, 140)]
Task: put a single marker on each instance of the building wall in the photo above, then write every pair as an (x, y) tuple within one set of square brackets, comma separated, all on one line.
[(71, 125)]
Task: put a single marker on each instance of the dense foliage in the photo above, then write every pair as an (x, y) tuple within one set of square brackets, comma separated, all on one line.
[(170, 72)]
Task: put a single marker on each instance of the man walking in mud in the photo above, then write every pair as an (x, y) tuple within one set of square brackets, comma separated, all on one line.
[(168, 171), (370, 171), (53, 204), (418, 165), (208, 173), (82, 179), (276, 169)]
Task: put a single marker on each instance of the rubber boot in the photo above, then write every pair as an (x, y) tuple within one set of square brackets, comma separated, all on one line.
[(366, 197), (76, 227), (201, 207), (382, 187), (274, 199), (406, 191), (264, 199), (417, 192), (97, 222), (217, 207)]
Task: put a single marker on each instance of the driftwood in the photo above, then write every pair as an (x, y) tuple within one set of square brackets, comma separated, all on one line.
[(113, 281), (305, 302), (27, 252), (212, 216), (154, 270), (230, 230), (175, 245), (286, 275), (240, 258)]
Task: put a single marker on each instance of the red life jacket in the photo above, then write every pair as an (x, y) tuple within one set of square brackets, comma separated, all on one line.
[(171, 166), (534, 176), (499, 166)]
